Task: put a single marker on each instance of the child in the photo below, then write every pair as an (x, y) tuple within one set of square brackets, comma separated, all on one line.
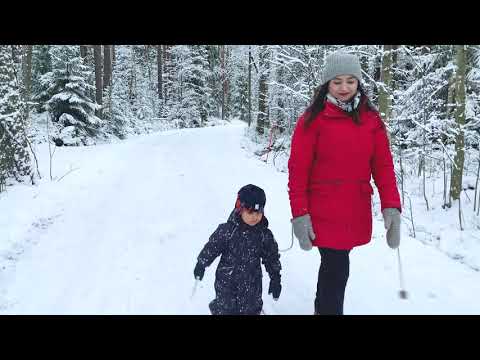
[(242, 242)]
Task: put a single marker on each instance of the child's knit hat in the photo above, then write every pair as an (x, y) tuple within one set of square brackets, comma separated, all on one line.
[(251, 197)]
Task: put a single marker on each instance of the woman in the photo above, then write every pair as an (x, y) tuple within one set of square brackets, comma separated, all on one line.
[(339, 142)]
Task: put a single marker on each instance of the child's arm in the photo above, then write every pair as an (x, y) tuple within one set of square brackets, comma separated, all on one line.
[(214, 247), (271, 260), (271, 256)]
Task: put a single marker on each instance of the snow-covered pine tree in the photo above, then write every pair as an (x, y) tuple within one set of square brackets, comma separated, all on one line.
[(263, 120), (200, 82), (472, 135), (15, 160), (421, 116), (121, 119), (27, 53), (280, 107), (167, 75), (41, 65), (295, 76), (190, 104), (160, 71), (239, 82), (146, 100), (70, 105), (224, 81), (215, 79)]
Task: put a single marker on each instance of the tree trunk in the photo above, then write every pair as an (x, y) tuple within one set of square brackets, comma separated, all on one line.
[(14, 155), (222, 76), (27, 71), (449, 111), (132, 82), (476, 181), (97, 56), (394, 53), (16, 52), (384, 96), (450, 98), (225, 83), (146, 55), (107, 66), (249, 87), (262, 117), (159, 71), (457, 171), (223, 67), (166, 73), (83, 51)]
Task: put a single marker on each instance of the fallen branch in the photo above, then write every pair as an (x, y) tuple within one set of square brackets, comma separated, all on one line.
[(71, 170)]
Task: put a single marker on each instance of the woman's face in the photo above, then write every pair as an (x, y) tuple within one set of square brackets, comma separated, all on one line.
[(343, 87)]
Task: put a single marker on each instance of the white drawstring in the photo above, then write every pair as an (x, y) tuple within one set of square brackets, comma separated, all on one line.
[(291, 244)]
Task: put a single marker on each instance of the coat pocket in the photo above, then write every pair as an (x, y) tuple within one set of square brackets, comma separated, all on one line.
[(365, 199), (361, 221), (225, 271), (323, 201), (366, 188), (321, 189)]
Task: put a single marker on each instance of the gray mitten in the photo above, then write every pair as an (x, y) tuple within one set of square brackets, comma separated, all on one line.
[(391, 218), (303, 229)]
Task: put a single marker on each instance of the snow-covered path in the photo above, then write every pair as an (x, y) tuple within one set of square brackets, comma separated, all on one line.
[(121, 232)]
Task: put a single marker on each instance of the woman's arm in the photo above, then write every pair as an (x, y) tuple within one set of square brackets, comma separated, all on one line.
[(300, 165), (383, 170)]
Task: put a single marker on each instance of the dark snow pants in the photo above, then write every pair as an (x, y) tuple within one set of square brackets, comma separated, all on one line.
[(237, 296), (332, 280)]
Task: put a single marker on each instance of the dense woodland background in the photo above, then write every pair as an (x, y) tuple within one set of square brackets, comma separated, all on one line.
[(78, 95)]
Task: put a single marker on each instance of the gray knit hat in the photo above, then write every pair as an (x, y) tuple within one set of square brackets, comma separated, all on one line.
[(340, 63)]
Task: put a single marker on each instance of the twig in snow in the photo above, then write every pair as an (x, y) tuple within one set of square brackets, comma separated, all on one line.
[(71, 170)]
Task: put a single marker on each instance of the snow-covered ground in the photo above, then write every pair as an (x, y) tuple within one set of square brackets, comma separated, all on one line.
[(120, 233)]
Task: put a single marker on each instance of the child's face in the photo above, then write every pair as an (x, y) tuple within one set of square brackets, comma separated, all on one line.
[(251, 218)]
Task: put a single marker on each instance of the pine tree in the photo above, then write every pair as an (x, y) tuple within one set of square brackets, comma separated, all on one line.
[(262, 116), (239, 90), (41, 64), (145, 102), (160, 71), (296, 72), (97, 55), (14, 155), (122, 119), (70, 104), (27, 71), (201, 90), (190, 104)]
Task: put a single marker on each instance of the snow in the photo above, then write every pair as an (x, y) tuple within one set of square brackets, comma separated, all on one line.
[(118, 230), (67, 134)]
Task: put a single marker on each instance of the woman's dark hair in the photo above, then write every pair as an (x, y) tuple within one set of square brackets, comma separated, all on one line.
[(318, 104)]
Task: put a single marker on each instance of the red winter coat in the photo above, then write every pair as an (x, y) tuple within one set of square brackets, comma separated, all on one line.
[(330, 166)]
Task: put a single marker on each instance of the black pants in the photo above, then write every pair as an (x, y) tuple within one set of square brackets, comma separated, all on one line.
[(332, 280)]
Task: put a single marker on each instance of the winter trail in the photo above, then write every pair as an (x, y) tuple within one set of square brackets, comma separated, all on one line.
[(126, 226)]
